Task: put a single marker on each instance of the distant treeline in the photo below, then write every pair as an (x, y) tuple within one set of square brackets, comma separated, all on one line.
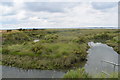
[(21, 29)]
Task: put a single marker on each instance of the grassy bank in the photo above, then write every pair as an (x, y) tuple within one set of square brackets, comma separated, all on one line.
[(56, 48), (109, 38), (80, 73)]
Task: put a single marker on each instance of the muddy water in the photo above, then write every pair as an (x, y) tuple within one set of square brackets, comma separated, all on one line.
[(12, 72)]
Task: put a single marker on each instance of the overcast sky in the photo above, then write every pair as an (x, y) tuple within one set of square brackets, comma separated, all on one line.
[(58, 14)]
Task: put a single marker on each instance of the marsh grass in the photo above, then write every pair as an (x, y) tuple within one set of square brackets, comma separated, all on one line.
[(80, 73), (49, 56), (57, 48)]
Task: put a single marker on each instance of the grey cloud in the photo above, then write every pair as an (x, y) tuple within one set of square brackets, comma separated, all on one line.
[(49, 6), (103, 5), (7, 3), (9, 14)]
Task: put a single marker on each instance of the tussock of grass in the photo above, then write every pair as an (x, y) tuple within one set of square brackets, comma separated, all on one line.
[(80, 73)]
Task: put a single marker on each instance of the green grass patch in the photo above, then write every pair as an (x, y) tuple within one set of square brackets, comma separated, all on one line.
[(80, 73)]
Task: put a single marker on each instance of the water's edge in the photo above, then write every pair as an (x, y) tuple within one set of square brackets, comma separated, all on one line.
[(97, 53)]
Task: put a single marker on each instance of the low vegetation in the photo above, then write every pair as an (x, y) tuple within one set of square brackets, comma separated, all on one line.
[(80, 73), (56, 48), (109, 38)]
